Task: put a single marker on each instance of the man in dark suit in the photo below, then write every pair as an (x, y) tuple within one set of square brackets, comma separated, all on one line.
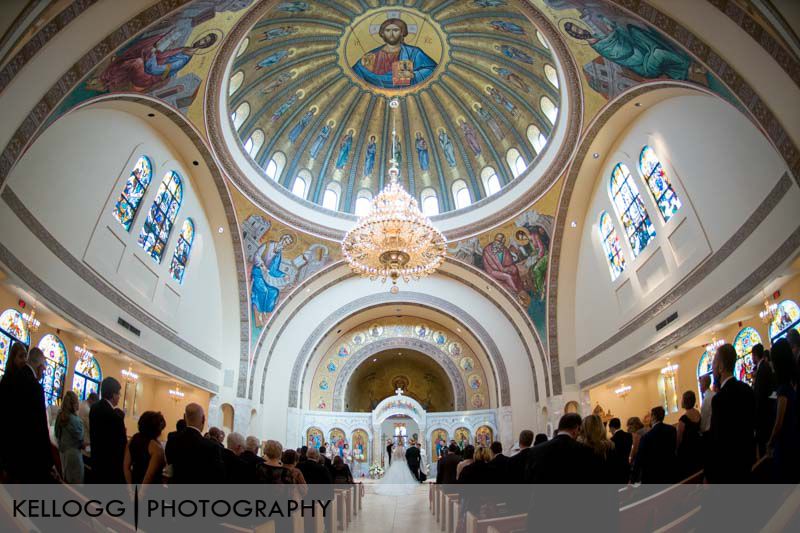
[(313, 470), (447, 465), (732, 448), (656, 457), (499, 463), (413, 460), (325, 461), (30, 458), (623, 442), (196, 460), (763, 387), (108, 435), (389, 447), (168, 449), (562, 459), (518, 461), (236, 470)]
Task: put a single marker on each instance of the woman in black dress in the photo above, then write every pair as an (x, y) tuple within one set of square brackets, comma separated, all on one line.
[(341, 472), (144, 455), (690, 458)]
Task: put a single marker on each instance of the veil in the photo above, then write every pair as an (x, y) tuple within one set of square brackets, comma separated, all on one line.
[(398, 480)]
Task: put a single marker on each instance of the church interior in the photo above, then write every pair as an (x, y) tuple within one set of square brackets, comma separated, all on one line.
[(356, 222)]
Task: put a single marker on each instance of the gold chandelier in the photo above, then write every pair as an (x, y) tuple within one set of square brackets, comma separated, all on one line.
[(394, 240)]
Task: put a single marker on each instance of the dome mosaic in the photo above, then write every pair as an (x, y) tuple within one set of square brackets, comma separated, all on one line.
[(309, 89)]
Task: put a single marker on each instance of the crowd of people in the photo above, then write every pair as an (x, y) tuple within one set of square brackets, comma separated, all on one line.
[(735, 427)]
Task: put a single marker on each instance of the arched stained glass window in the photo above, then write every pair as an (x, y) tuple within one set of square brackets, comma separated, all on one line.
[(608, 236), (300, 185), (240, 115), (551, 75), (549, 109), (177, 268), (55, 370), (630, 209), (658, 182), (131, 196), (491, 183), (161, 217), (330, 199), (536, 138), (363, 202), (253, 144), (13, 329), (87, 376), (516, 162), (744, 342), (461, 194), (235, 82), (275, 165), (430, 202), (786, 318)]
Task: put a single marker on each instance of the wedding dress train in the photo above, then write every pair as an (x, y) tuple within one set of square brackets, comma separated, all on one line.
[(398, 479)]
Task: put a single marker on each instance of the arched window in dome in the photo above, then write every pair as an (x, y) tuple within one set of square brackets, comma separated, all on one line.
[(55, 370), (551, 75), (536, 138), (787, 317), (330, 199), (275, 166), (253, 144), (429, 201), (161, 217), (235, 82), (243, 46), (13, 330), (240, 115), (128, 202), (611, 246), (180, 257), (542, 39), (549, 109), (515, 162), (300, 185), (491, 183), (658, 182), (88, 376), (630, 209), (461, 194), (743, 343), (363, 202)]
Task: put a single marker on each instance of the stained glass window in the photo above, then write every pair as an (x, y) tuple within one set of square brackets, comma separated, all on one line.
[(461, 194), (131, 196), (181, 256), (158, 225), (87, 376), (743, 343), (704, 364), (786, 318), (608, 236), (657, 180), (549, 109), (13, 329), (430, 202), (55, 368), (536, 138), (630, 209)]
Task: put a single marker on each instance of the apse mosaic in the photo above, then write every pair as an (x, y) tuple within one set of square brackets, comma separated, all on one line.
[(471, 372), (438, 442), (479, 95), (462, 437), (360, 448), (484, 436)]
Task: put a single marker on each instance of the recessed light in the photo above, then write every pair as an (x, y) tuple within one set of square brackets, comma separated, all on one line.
[(195, 163), (596, 155), (573, 224), (151, 114), (638, 104), (374, 360), (220, 230), (458, 330)]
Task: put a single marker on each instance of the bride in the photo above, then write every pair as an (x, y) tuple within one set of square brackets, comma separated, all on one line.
[(398, 480)]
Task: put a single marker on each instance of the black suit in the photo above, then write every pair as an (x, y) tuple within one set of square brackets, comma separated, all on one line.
[(236, 470), (517, 464), (413, 459), (314, 473), (623, 442), (389, 453), (196, 460), (763, 387), (108, 441), (251, 459), (446, 468), (561, 460), (499, 467), (732, 448), (656, 457), (30, 456)]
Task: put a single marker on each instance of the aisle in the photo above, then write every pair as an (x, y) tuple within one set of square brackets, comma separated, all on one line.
[(392, 513)]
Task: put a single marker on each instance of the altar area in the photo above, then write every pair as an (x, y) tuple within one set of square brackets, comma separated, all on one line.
[(364, 436)]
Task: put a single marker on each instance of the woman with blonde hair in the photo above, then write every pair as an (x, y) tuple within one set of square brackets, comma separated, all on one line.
[(69, 434), (595, 437)]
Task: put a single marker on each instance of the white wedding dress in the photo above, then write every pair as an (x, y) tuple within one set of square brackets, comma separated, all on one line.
[(398, 479)]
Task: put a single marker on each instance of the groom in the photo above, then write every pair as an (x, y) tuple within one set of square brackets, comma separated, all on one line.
[(413, 460)]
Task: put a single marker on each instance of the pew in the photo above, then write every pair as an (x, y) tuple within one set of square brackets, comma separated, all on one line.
[(502, 524), (451, 512)]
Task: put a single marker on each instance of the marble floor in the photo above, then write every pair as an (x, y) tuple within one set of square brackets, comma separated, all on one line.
[(394, 513)]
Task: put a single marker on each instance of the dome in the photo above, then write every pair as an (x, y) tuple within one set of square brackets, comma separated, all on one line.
[(309, 86)]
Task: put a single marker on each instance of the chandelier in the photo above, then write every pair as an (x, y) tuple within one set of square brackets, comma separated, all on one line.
[(84, 352), (31, 320), (769, 312), (623, 390), (715, 343), (669, 371), (394, 240)]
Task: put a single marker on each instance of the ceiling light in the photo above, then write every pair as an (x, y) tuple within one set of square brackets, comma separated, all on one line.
[(596, 155), (573, 224), (129, 375), (638, 104), (31, 320), (220, 229), (623, 390)]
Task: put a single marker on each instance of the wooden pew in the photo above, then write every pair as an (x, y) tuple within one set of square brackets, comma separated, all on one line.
[(503, 524), (451, 512)]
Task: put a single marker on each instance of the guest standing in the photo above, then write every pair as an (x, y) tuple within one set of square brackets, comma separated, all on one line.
[(784, 441), (517, 462), (289, 461), (341, 472), (707, 392), (594, 437), (271, 471), (144, 456), (656, 457), (539, 439), (732, 448), (447, 465), (237, 471), (83, 414), (499, 464), (17, 358), (469, 457), (623, 443), (637, 430), (562, 459), (763, 389), (108, 435), (690, 451), (69, 434), (250, 453), (196, 460), (313, 471)]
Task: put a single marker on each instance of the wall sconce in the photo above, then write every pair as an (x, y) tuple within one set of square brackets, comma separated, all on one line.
[(31, 320), (767, 315), (715, 343), (129, 397), (623, 390), (130, 376), (176, 394), (670, 370), (83, 351)]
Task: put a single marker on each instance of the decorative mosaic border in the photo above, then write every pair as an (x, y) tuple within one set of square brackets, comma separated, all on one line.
[(699, 274), (770, 44), (277, 206), (352, 363), (76, 314), (718, 308), (30, 221)]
